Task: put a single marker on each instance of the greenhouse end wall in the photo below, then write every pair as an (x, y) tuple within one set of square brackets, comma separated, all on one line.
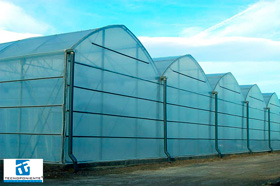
[(231, 132), (258, 128), (116, 114), (272, 120), (189, 129)]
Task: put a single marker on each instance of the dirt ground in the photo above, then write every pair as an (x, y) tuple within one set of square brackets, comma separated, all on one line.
[(236, 170)]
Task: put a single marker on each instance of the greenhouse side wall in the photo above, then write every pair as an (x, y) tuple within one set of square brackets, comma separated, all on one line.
[(31, 100), (117, 113)]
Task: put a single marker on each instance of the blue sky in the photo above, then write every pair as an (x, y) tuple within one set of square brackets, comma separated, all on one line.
[(143, 17), (238, 36)]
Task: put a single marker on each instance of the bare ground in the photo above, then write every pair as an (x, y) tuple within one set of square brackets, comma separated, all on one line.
[(235, 170)]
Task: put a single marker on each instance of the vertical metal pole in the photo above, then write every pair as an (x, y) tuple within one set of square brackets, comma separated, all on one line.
[(22, 62), (64, 107), (269, 133), (216, 125), (136, 102), (164, 79), (102, 96), (248, 128), (70, 126)]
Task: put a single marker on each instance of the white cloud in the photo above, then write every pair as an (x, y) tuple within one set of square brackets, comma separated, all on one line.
[(259, 20), (251, 35), (246, 44), (191, 31), (15, 23), (215, 49), (6, 36)]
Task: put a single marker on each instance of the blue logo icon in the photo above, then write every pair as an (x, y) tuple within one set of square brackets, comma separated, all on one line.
[(22, 168)]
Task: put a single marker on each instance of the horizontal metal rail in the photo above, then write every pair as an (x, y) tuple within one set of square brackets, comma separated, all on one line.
[(106, 70), (117, 94), (188, 76), (229, 90), (256, 99), (209, 96), (126, 75), (30, 106), (160, 120), (146, 99), (31, 79), (120, 53), (160, 138), (43, 54), (18, 133)]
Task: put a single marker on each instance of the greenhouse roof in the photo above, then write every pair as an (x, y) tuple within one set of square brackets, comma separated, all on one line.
[(268, 97), (163, 63), (45, 44), (50, 44), (245, 89), (214, 79)]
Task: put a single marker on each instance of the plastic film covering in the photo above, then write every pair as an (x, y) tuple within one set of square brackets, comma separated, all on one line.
[(272, 102), (231, 125), (117, 112), (41, 45), (258, 128), (31, 90), (190, 132)]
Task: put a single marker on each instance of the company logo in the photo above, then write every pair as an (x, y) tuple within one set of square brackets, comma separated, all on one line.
[(23, 170), (22, 167)]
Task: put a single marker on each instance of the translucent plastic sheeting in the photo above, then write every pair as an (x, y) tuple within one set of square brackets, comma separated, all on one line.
[(190, 132), (31, 90), (258, 129), (272, 102), (117, 110), (41, 45), (231, 124)]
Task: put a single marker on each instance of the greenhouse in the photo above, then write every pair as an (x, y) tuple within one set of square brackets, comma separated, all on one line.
[(81, 95), (272, 115), (96, 96), (188, 95), (254, 111), (229, 108)]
